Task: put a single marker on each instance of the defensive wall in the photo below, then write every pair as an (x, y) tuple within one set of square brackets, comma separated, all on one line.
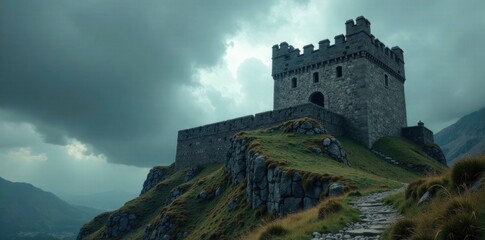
[(209, 143), (418, 134)]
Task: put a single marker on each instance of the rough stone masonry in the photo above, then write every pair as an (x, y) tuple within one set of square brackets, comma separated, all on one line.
[(354, 87)]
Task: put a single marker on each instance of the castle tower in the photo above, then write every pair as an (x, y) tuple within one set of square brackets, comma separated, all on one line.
[(358, 77)]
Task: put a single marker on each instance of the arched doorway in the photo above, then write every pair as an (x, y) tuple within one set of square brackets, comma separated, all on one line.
[(317, 98)]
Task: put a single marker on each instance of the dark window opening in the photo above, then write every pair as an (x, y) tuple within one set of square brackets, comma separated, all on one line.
[(315, 77), (339, 71), (293, 83), (386, 80), (317, 98)]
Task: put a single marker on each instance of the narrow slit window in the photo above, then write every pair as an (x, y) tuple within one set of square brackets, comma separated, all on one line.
[(386, 80), (315, 77), (293, 83), (339, 71)]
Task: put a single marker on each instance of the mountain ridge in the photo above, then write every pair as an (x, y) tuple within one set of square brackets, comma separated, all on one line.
[(463, 138), (31, 211)]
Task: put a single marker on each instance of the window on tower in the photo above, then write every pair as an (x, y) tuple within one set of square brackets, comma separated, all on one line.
[(315, 77), (386, 80), (293, 82), (338, 71)]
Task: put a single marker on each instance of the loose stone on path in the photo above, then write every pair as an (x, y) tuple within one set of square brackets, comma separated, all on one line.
[(375, 218)]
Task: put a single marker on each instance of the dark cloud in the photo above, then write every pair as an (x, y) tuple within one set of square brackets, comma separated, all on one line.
[(117, 74), (111, 73)]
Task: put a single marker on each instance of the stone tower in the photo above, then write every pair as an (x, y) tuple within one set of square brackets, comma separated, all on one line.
[(358, 77)]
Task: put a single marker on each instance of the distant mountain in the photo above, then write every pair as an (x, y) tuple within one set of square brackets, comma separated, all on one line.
[(27, 212), (463, 138), (108, 200)]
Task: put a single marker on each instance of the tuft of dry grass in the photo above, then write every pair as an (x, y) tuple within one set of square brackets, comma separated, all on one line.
[(305, 222), (455, 213), (329, 207), (273, 231), (402, 229), (467, 171)]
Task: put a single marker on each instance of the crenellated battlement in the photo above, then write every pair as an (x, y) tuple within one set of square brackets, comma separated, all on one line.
[(353, 86), (357, 43), (361, 25)]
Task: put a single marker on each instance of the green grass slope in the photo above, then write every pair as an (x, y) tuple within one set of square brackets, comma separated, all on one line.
[(210, 218), (407, 153)]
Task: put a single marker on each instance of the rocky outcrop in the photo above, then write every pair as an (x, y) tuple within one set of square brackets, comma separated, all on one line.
[(156, 175), (269, 186), (118, 223), (334, 149), (435, 152), (165, 229), (303, 126), (174, 194)]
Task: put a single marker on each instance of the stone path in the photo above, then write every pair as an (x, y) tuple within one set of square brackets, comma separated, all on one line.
[(374, 219)]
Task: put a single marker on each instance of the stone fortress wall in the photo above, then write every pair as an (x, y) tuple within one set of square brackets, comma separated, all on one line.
[(419, 134), (357, 86), (369, 92), (209, 143)]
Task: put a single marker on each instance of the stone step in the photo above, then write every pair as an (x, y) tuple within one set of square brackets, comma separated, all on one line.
[(369, 205), (379, 227), (364, 232)]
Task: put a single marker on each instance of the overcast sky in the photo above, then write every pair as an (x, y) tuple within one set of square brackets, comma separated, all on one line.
[(92, 93)]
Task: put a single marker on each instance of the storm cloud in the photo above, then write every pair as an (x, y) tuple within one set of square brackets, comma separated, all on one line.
[(112, 74), (124, 76)]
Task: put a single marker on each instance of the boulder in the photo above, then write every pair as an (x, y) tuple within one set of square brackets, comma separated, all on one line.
[(426, 196), (334, 149), (231, 205), (335, 189), (203, 195), (218, 191)]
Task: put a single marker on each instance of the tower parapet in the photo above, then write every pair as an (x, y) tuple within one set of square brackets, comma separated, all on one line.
[(362, 25), (357, 76), (358, 42)]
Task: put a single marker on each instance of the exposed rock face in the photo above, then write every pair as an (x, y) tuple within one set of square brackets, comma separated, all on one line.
[(304, 126), (174, 194), (435, 152), (156, 175), (335, 189), (164, 230), (118, 223), (334, 149), (279, 191)]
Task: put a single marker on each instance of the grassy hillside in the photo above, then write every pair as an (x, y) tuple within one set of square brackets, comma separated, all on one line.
[(407, 153), (455, 210), (194, 217)]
